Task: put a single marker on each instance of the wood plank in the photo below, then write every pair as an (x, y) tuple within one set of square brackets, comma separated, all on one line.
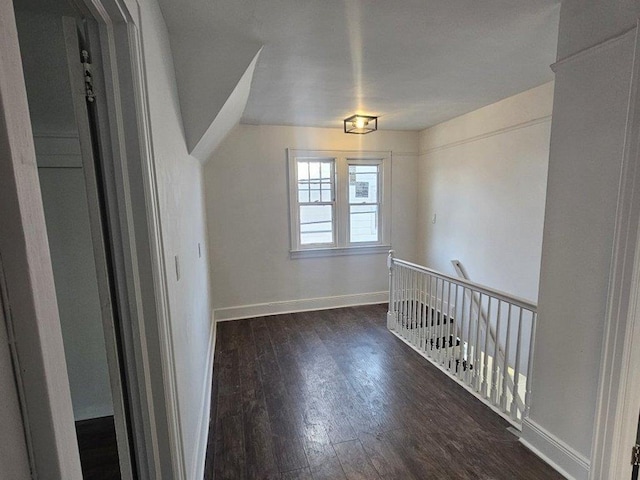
[(385, 459), (302, 474), (286, 423), (354, 461), (259, 448), (230, 460), (329, 470), (98, 448)]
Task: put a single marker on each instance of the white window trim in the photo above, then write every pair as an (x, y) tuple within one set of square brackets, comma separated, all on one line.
[(341, 245)]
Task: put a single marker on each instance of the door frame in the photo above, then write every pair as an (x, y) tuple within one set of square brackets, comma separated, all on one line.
[(124, 126), (618, 401), (134, 219), (109, 306)]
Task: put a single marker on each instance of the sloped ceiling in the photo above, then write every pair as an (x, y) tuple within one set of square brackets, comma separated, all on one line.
[(415, 63), (208, 69)]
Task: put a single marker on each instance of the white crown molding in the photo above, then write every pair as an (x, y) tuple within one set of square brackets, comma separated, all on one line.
[(593, 49), (492, 133)]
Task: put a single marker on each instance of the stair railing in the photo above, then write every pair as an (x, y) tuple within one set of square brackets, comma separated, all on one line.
[(493, 343), (480, 337)]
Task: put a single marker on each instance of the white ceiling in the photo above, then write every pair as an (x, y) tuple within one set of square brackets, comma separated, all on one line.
[(415, 63)]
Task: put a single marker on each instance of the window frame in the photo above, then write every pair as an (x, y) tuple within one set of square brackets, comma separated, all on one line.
[(342, 244)]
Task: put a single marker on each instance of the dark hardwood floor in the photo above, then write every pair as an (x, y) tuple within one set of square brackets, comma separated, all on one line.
[(334, 395), (98, 449)]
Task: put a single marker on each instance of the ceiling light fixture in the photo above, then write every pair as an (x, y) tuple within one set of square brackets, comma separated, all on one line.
[(360, 124)]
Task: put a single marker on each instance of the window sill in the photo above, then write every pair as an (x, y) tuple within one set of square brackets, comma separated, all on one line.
[(336, 252)]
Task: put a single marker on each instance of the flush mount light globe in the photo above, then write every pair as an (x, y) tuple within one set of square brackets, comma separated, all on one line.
[(360, 124)]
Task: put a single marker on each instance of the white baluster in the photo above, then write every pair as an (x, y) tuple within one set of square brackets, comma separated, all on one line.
[(427, 326), (469, 355), (405, 301), (532, 341), (516, 371), (401, 272), (456, 329), (505, 373), (410, 305), (496, 351), (447, 330), (461, 351), (391, 324), (414, 304), (423, 311), (476, 349), (485, 357)]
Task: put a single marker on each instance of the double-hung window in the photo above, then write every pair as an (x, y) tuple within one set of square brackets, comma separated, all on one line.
[(316, 193), (340, 202)]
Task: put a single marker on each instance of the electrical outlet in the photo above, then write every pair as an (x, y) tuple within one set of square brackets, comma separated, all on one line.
[(199, 251), (177, 268)]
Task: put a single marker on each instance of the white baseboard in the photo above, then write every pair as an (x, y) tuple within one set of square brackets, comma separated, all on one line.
[(197, 469), (291, 306), (566, 460)]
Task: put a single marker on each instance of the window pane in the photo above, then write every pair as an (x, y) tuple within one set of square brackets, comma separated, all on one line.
[(314, 170), (316, 224), (326, 170), (314, 194), (326, 193), (363, 223), (303, 171), (363, 184)]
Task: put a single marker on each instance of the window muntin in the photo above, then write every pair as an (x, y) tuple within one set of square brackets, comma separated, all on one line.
[(340, 202)]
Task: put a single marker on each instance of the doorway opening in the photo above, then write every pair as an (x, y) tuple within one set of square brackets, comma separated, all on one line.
[(56, 49)]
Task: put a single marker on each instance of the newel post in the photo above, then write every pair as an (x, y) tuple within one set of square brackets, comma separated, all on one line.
[(391, 316)]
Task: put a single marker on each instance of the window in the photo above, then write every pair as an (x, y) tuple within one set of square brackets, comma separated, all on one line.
[(316, 201), (339, 202), (364, 202)]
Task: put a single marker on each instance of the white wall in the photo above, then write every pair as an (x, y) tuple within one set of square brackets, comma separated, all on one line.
[(587, 140), (248, 220), (66, 211), (67, 215), (43, 50), (484, 177), (180, 194)]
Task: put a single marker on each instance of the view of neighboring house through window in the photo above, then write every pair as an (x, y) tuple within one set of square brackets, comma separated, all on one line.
[(339, 201)]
